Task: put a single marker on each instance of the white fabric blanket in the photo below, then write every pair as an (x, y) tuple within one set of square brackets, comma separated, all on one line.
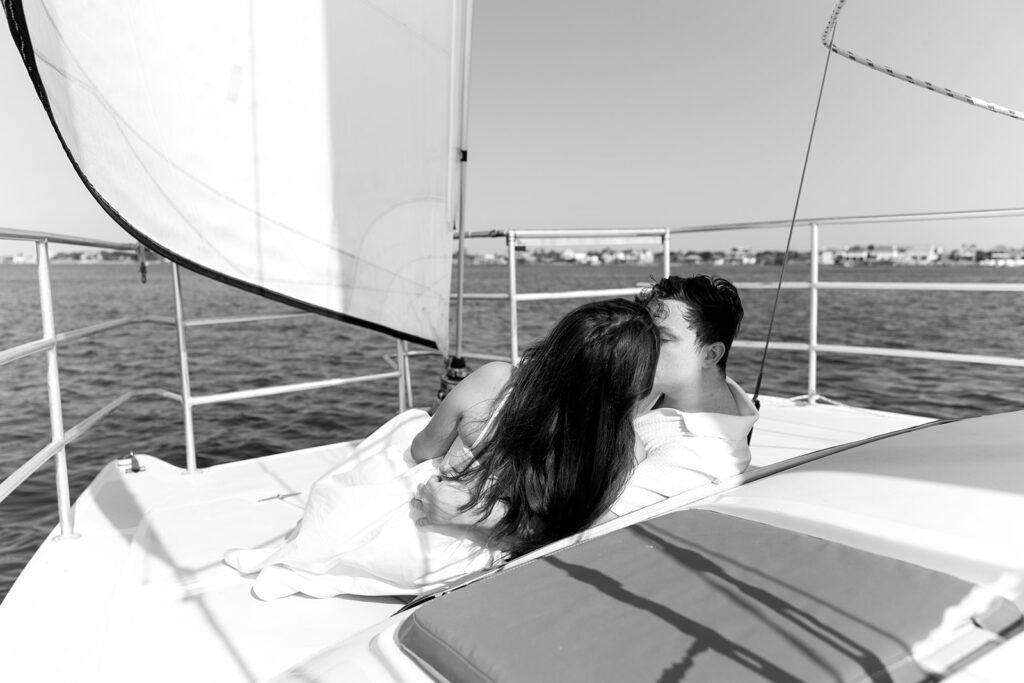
[(358, 533)]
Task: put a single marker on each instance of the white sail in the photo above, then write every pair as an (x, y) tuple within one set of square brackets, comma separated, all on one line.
[(303, 150)]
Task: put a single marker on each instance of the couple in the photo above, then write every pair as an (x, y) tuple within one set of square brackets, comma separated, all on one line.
[(623, 404)]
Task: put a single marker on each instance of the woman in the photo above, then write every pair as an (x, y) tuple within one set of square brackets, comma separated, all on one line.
[(542, 449)]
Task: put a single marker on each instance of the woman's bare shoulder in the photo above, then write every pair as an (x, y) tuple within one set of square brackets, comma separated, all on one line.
[(495, 373), (482, 385), (466, 405)]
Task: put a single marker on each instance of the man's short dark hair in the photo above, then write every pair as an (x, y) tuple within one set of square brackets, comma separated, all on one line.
[(713, 307)]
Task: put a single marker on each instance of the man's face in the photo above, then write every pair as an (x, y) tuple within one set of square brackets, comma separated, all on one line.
[(680, 361)]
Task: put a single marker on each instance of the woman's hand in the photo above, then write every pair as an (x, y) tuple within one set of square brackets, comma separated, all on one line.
[(440, 501)]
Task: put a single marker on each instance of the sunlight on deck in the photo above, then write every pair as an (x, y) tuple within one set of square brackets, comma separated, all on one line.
[(787, 429), (149, 598)]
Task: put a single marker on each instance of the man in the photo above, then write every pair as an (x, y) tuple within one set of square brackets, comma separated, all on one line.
[(696, 430)]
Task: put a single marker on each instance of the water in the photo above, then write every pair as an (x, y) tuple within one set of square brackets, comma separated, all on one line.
[(144, 356)]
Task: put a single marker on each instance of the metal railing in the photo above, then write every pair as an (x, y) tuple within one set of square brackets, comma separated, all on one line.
[(517, 238), (60, 438), (812, 347), (51, 339), (189, 401)]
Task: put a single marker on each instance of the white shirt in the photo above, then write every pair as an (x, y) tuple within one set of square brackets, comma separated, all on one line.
[(686, 450)]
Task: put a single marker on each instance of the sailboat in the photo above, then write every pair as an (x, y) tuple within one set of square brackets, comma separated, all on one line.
[(861, 544)]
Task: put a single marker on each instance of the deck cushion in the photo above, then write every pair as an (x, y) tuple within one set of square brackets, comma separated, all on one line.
[(698, 594)]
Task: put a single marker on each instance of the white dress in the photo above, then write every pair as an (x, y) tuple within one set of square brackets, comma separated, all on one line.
[(358, 533)]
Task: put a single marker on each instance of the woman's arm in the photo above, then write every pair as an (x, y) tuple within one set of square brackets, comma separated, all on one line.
[(470, 396), (441, 500)]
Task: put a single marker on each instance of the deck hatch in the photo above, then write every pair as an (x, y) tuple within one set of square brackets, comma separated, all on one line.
[(698, 594)]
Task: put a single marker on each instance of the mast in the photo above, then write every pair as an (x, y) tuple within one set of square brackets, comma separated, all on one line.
[(455, 365), (460, 109)]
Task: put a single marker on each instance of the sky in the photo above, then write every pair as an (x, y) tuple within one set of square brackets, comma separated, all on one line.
[(665, 113)]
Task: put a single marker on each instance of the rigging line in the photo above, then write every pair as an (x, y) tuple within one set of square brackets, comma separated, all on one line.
[(792, 223), (941, 90)]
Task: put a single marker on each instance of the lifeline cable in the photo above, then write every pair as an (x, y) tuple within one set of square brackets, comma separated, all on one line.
[(796, 207), (828, 38)]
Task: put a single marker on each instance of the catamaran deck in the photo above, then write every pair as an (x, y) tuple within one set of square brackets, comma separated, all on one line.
[(790, 428), (143, 595)]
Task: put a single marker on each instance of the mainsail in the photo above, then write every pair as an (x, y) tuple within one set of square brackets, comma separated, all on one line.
[(306, 151)]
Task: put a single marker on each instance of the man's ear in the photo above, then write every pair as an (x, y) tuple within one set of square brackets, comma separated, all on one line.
[(713, 353)]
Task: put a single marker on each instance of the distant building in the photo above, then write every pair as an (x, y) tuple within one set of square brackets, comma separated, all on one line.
[(1004, 257), (691, 257), (965, 252), (739, 257), (886, 255), (919, 256), (855, 255)]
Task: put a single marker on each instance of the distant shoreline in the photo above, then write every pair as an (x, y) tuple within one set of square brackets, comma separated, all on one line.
[(564, 264)]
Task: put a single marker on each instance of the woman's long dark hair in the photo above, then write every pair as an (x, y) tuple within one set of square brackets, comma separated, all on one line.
[(561, 449)]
